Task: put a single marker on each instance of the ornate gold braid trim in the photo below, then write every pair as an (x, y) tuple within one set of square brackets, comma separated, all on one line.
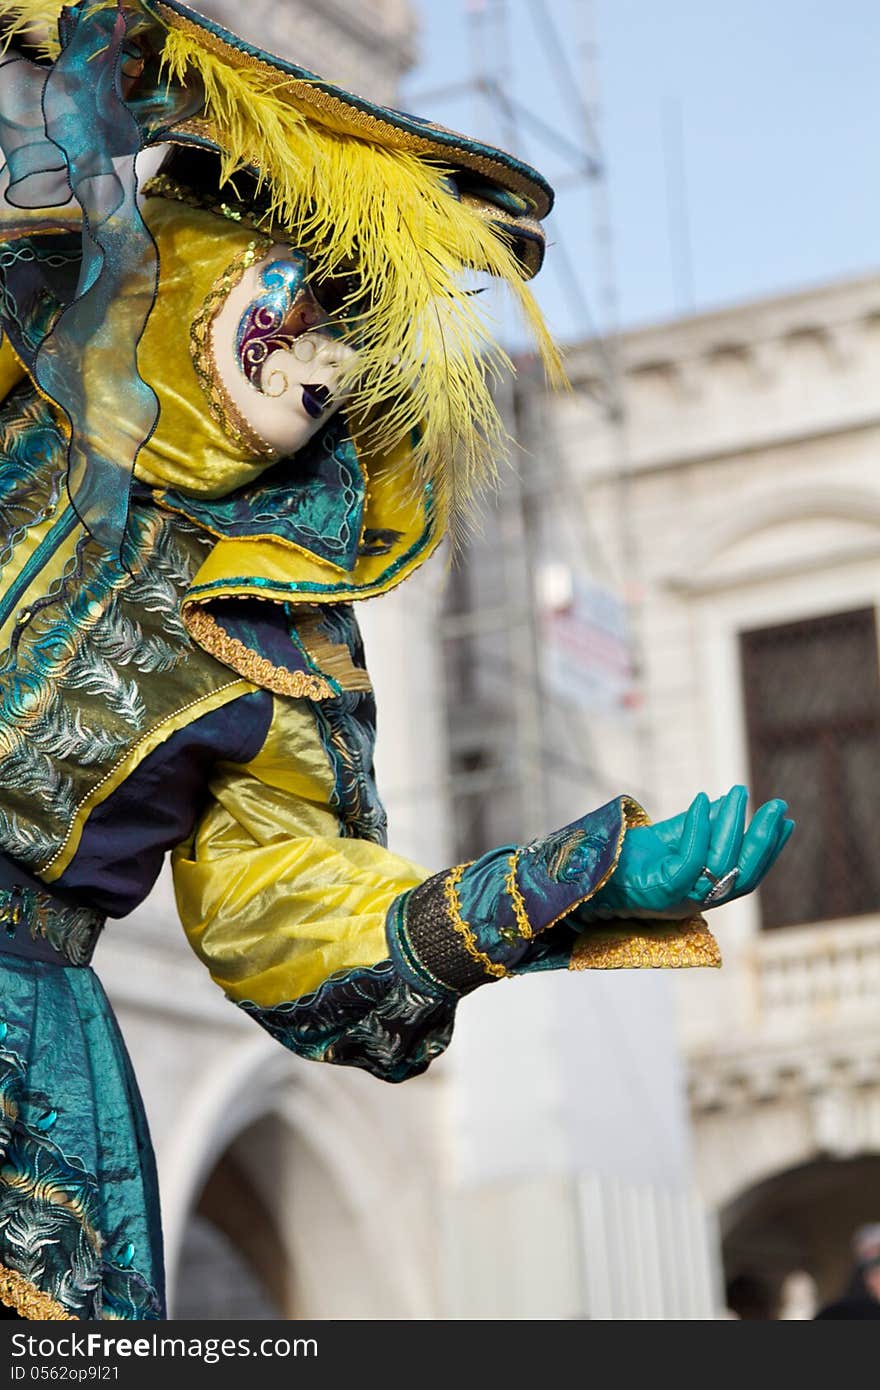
[(453, 903), (523, 924), (223, 408), (634, 813), (205, 630), (19, 1293), (638, 945)]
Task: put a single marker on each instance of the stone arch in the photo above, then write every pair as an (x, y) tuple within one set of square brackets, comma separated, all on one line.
[(223, 1100), (324, 1130), (798, 1219), (232, 1263)]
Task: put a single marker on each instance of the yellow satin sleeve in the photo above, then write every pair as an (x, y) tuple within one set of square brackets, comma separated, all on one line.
[(272, 897)]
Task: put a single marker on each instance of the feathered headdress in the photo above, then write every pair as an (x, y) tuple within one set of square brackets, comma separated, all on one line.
[(406, 209)]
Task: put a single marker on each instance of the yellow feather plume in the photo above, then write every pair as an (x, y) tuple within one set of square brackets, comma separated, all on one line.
[(424, 349), (425, 354)]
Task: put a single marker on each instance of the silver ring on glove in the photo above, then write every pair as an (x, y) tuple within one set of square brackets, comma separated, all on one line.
[(720, 886)]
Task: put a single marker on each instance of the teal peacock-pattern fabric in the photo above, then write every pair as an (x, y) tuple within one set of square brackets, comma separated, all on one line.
[(79, 1212)]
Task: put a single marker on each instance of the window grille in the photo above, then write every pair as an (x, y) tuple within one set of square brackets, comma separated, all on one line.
[(812, 704)]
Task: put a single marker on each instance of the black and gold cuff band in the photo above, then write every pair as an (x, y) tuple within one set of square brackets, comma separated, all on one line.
[(430, 939)]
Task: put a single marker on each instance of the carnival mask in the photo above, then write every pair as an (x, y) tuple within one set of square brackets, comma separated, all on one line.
[(281, 359)]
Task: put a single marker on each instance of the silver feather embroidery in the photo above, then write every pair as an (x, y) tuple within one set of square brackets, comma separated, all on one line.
[(28, 843), (91, 672), (88, 642)]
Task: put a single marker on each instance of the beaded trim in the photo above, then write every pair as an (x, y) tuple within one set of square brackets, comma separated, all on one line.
[(205, 630), (34, 1305), (524, 926), (92, 798), (666, 946), (164, 186)]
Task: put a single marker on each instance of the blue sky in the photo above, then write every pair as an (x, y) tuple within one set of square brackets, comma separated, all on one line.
[(770, 107)]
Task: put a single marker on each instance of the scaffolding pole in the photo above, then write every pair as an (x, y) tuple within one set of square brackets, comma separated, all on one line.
[(516, 622)]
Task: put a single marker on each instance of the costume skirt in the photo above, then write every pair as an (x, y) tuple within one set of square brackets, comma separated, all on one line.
[(80, 1234)]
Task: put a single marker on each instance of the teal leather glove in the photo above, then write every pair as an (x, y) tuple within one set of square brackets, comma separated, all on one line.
[(662, 868)]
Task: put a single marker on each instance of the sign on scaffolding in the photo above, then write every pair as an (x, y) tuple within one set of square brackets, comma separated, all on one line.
[(585, 640)]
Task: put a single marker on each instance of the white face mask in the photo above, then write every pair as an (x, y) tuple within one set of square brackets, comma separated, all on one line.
[(276, 354)]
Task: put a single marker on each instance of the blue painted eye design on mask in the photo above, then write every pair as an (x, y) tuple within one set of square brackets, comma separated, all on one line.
[(283, 310)]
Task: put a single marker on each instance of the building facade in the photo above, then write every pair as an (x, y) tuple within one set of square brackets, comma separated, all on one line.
[(732, 515)]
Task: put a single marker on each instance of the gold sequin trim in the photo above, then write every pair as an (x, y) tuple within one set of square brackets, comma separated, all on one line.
[(302, 685), (453, 904), (635, 814), (636, 946), (223, 408), (523, 924), (164, 186), (348, 119), (19, 1293)]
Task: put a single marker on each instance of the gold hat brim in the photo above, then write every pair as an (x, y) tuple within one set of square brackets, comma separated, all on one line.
[(528, 194)]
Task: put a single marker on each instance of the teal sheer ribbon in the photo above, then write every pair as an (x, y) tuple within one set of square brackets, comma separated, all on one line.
[(88, 364), (36, 169), (68, 132)]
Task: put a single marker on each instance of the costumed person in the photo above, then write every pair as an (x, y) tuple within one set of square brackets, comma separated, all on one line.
[(235, 402), (861, 1298)]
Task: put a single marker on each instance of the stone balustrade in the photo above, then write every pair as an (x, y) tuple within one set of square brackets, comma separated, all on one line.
[(810, 977)]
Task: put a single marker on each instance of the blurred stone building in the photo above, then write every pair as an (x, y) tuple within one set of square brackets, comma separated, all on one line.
[(364, 45), (720, 536)]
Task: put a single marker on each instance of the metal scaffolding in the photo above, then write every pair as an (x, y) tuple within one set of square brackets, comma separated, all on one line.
[(500, 711)]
